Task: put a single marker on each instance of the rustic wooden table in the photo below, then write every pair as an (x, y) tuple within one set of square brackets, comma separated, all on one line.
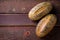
[(15, 24)]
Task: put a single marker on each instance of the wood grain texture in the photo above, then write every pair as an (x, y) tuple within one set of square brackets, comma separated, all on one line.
[(26, 33), (19, 19), (15, 19), (23, 6)]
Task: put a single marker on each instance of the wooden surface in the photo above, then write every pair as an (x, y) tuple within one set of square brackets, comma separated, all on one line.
[(26, 33), (15, 24)]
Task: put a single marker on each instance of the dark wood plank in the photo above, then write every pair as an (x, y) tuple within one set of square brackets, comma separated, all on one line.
[(16, 6), (26, 33), (15, 19), (24, 6), (20, 20)]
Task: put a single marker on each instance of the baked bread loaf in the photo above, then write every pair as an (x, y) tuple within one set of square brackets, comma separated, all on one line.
[(40, 10), (45, 25)]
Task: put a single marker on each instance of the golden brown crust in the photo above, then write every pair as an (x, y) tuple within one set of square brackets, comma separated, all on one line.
[(40, 10), (46, 25)]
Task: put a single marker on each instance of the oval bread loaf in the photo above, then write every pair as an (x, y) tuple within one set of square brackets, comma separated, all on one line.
[(40, 10), (46, 25)]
